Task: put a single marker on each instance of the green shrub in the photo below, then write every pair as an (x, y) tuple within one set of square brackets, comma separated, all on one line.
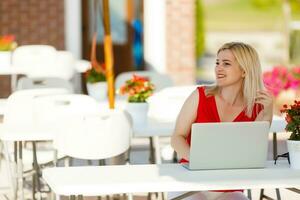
[(92, 76)]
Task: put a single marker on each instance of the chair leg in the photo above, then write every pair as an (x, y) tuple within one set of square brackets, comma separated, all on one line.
[(72, 197), (36, 168), (33, 186), (89, 162), (261, 196)]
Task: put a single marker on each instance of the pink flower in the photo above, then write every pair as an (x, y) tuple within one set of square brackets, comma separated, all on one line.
[(280, 78)]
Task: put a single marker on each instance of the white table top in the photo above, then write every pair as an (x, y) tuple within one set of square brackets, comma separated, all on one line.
[(98, 180), (25, 136), (151, 128), (156, 126), (11, 70)]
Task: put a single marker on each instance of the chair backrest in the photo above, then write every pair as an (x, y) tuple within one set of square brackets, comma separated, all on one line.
[(46, 82), (66, 65), (64, 105), (159, 80), (56, 110), (166, 104), (43, 61), (98, 136), (19, 114)]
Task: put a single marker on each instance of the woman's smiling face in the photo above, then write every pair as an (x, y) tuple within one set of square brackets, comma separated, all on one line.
[(227, 70)]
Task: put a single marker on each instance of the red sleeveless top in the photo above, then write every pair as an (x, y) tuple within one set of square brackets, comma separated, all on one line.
[(207, 112)]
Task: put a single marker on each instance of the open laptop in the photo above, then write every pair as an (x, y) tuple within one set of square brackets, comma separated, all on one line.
[(228, 145)]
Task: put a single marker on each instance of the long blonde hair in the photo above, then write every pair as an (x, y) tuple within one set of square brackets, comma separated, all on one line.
[(248, 61)]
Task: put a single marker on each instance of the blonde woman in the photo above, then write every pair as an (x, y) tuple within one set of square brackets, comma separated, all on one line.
[(238, 95)]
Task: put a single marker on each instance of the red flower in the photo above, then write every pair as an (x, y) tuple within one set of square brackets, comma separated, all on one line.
[(288, 119), (293, 119), (138, 88), (7, 43)]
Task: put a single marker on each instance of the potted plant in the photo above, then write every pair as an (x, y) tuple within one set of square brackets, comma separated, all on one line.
[(7, 44), (293, 125), (138, 89), (96, 83)]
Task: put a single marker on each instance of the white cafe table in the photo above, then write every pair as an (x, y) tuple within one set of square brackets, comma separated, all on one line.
[(163, 125), (153, 128), (13, 71), (18, 140), (100, 180)]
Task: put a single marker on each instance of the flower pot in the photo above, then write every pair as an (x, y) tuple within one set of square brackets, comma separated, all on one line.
[(138, 112), (97, 90), (5, 59), (294, 153)]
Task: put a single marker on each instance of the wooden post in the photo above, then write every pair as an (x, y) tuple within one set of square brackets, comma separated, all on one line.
[(108, 55)]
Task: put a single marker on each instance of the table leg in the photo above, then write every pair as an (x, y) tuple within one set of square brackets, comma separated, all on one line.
[(294, 190), (278, 194), (274, 145), (11, 170), (151, 148), (187, 194), (37, 174), (249, 194), (157, 149), (20, 171)]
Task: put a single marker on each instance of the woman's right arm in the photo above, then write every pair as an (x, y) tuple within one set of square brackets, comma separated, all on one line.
[(185, 119)]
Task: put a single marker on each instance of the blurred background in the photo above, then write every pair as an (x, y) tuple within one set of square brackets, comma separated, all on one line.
[(179, 38)]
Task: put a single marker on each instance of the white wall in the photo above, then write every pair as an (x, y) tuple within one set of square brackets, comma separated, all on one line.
[(73, 33), (155, 35)]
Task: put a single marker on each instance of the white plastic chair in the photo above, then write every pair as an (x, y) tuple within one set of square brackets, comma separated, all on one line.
[(82, 125), (164, 106), (44, 82), (56, 110), (159, 80), (43, 61), (97, 136), (20, 121)]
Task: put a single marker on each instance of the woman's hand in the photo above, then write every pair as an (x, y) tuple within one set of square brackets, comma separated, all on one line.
[(265, 98)]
